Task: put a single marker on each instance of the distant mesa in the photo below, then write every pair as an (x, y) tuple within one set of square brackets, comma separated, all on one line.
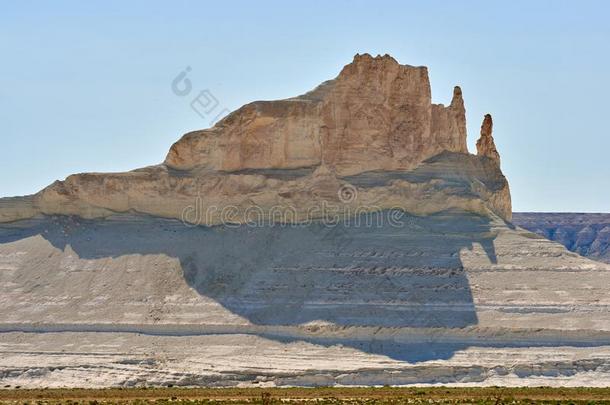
[(586, 234)]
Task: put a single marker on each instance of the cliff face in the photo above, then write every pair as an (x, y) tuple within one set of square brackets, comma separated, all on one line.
[(376, 115), (375, 119)]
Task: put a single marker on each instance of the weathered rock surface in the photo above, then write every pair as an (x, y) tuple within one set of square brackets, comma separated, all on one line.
[(376, 115), (451, 298), (486, 145), (448, 293), (586, 234), (375, 118)]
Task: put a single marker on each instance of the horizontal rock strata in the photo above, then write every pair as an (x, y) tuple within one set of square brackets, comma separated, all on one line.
[(375, 119)]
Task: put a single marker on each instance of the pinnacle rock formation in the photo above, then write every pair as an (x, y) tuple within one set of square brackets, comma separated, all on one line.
[(376, 115), (374, 128), (444, 292), (486, 145)]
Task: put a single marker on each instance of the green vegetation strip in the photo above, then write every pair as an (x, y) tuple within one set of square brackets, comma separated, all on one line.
[(491, 395)]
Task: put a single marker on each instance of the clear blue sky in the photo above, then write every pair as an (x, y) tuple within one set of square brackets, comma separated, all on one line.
[(86, 86)]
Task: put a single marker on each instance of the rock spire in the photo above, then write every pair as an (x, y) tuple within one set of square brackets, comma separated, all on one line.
[(486, 145)]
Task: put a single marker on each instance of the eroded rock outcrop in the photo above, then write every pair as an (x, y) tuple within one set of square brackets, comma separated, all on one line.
[(373, 128), (376, 115), (486, 145)]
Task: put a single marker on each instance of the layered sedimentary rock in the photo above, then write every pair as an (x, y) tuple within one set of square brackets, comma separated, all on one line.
[(376, 115), (375, 120), (586, 234), (422, 281), (453, 298), (486, 145)]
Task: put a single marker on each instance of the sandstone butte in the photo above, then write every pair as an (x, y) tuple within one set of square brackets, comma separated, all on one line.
[(373, 128)]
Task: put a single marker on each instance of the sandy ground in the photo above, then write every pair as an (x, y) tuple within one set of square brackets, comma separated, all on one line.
[(124, 359)]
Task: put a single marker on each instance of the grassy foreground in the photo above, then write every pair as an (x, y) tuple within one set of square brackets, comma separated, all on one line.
[(491, 395)]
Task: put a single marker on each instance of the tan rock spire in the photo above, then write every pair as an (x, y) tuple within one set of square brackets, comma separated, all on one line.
[(457, 100), (458, 118), (486, 145)]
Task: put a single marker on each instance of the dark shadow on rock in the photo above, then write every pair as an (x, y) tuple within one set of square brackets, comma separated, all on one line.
[(346, 274)]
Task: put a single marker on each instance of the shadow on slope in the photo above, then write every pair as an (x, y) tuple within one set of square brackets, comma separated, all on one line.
[(380, 276)]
